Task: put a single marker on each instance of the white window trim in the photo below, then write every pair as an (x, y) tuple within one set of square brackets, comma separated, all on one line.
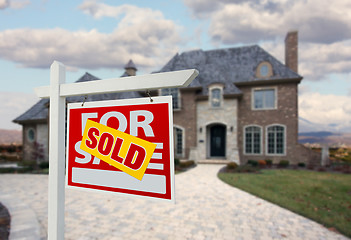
[(264, 88), (261, 140), (212, 87), (276, 154), (183, 141)]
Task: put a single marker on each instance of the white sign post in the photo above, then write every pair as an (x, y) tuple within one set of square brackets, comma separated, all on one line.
[(57, 92)]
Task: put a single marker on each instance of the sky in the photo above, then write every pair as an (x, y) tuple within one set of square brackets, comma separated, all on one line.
[(100, 37)]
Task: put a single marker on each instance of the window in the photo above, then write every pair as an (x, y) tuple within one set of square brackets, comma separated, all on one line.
[(264, 70), (174, 92), (276, 139), (31, 135), (216, 97), (253, 140), (264, 98), (178, 142)]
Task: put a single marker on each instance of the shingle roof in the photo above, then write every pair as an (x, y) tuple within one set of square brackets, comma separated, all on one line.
[(130, 64), (39, 111), (228, 66)]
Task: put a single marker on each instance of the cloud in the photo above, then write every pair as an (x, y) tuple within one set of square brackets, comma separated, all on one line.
[(329, 112), (143, 35), (316, 61), (13, 105), (13, 4), (251, 21), (4, 4)]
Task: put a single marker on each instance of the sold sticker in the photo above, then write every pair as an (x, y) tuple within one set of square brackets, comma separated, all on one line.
[(121, 150)]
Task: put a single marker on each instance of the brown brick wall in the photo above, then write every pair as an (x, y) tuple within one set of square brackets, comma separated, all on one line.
[(186, 118), (291, 50), (285, 114)]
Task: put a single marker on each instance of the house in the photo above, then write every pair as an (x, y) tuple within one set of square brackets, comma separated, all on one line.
[(242, 106), (35, 130)]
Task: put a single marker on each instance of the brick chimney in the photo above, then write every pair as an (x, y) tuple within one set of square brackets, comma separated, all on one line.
[(291, 50), (130, 68)]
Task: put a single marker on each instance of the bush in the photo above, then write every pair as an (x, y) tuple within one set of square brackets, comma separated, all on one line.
[(44, 165), (262, 163), (176, 162), (301, 164), (246, 169), (269, 162), (186, 164), (253, 163), (283, 163), (232, 165)]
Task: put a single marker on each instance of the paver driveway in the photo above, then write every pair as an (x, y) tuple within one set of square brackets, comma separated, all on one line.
[(205, 208)]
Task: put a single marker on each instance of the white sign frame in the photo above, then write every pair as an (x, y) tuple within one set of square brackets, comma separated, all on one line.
[(57, 92)]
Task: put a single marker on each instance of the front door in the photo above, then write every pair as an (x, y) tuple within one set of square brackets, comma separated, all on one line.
[(217, 141)]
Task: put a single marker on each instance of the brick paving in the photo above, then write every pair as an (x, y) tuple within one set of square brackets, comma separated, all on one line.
[(205, 208)]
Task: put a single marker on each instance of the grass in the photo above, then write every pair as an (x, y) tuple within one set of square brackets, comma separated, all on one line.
[(320, 196)]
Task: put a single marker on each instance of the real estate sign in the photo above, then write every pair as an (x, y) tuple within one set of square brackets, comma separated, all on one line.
[(122, 146)]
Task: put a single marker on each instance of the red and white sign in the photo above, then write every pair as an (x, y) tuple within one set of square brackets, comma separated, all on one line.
[(151, 121)]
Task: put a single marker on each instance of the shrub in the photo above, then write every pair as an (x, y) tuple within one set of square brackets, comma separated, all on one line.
[(253, 163), (301, 164), (246, 169), (232, 165), (322, 169), (44, 165), (186, 164), (269, 162), (262, 163), (283, 163), (176, 162)]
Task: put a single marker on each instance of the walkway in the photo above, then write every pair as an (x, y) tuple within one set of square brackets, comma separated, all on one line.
[(205, 208)]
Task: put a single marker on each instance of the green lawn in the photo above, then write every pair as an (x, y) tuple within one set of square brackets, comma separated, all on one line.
[(323, 197)]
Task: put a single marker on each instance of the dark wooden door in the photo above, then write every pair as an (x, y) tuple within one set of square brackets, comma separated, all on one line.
[(217, 142)]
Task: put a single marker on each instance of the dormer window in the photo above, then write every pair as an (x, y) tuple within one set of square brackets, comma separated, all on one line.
[(216, 97), (264, 70)]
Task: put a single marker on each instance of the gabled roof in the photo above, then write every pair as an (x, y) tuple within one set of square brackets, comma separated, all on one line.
[(229, 67), (39, 111)]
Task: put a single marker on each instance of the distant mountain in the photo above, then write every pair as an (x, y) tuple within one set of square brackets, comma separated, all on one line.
[(10, 136), (325, 137), (318, 134)]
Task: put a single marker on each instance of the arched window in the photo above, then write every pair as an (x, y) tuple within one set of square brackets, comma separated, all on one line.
[(31, 135), (276, 140), (253, 140), (178, 142)]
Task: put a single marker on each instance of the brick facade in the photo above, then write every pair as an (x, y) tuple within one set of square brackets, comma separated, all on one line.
[(186, 118), (291, 50), (285, 114)]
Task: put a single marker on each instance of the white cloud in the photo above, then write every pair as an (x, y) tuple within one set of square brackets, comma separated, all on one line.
[(4, 4), (13, 105), (13, 4), (316, 61), (324, 29), (329, 112), (143, 35), (243, 21)]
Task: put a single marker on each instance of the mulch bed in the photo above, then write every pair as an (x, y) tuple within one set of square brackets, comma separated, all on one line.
[(5, 220)]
